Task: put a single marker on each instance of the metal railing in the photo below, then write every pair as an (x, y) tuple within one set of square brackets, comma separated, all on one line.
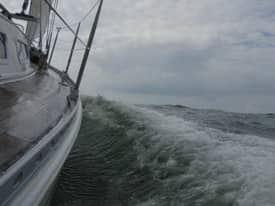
[(87, 45)]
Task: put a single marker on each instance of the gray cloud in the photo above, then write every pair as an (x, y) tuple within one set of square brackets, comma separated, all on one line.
[(183, 70), (212, 53)]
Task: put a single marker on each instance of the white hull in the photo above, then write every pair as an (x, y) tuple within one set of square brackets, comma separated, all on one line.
[(35, 188)]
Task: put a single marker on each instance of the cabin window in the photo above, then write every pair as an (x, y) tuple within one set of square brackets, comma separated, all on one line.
[(3, 48), (22, 51)]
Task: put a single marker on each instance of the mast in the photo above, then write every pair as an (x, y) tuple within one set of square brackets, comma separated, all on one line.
[(88, 47), (40, 27), (41, 11)]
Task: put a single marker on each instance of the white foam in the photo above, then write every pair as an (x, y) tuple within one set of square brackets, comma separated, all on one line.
[(243, 164)]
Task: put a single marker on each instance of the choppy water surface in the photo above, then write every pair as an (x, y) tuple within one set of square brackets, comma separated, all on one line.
[(169, 155)]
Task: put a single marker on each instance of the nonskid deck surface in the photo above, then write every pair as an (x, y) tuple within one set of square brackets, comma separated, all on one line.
[(28, 110)]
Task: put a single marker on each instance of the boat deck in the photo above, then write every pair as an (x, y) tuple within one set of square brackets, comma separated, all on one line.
[(28, 110)]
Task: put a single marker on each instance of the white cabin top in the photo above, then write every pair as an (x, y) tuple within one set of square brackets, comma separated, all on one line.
[(14, 51)]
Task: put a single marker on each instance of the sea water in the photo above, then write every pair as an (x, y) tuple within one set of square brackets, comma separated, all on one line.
[(151, 155)]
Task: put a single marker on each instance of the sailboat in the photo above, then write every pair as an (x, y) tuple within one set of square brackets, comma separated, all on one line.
[(40, 105)]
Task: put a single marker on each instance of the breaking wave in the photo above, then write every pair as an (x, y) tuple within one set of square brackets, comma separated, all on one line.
[(150, 155)]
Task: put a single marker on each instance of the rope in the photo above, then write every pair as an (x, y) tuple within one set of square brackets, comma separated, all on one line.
[(51, 28), (64, 21), (85, 16)]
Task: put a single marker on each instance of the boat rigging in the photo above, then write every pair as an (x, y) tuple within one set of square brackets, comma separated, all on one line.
[(42, 107)]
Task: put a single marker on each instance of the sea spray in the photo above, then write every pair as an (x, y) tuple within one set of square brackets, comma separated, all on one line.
[(169, 155)]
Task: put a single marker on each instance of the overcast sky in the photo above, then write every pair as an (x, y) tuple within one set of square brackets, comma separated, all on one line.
[(201, 53)]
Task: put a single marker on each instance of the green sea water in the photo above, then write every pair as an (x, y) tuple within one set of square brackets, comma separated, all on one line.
[(149, 155)]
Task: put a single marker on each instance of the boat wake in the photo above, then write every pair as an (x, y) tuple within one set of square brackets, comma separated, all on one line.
[(169, 155)]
